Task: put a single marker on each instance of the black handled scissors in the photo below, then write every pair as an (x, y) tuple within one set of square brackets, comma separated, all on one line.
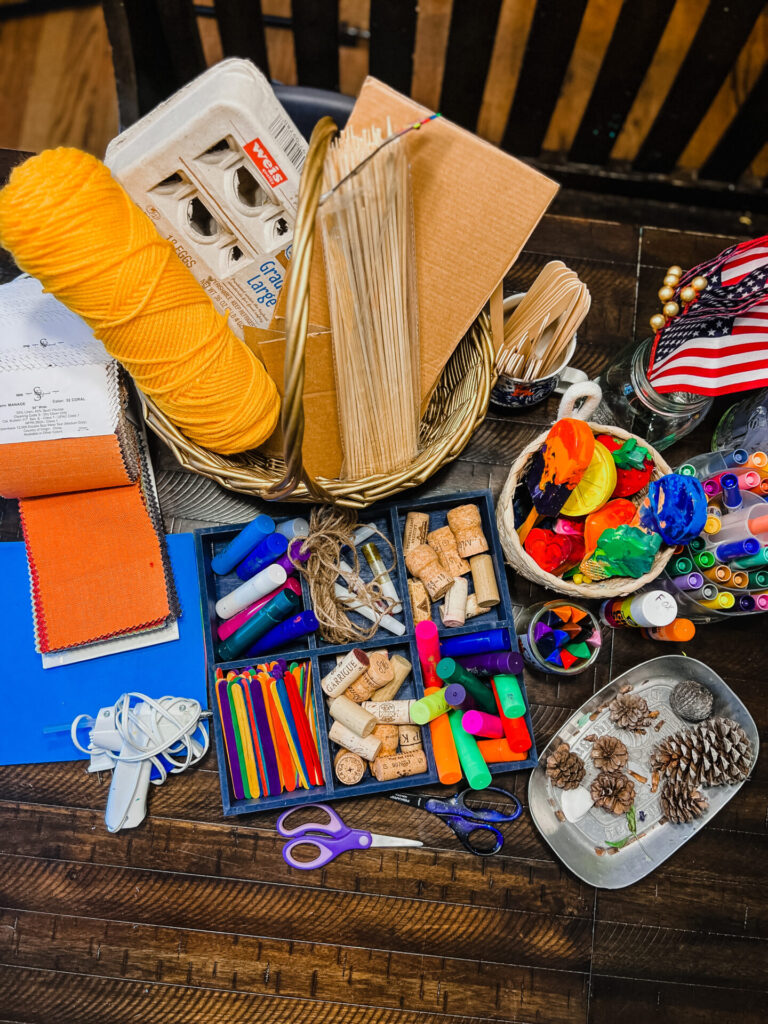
[(464, 820)]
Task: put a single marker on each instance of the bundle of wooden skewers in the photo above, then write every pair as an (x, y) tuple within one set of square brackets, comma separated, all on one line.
[(539, 330)]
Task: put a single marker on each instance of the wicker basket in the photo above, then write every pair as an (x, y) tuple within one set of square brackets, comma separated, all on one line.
[(616, 586), (458, 403)]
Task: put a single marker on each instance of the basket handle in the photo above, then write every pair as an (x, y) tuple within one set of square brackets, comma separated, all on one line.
[(590, 391), (297, 318)]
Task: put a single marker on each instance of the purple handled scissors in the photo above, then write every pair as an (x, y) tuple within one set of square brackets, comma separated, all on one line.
[(329, 838)]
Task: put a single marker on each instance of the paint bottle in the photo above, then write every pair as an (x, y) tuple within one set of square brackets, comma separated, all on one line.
[(678, 631), (652, 609)]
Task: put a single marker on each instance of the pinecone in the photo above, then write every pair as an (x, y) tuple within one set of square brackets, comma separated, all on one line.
[(713, 753), (681, 804), (609, 754), (613, 791), (629, 712), (565, 768)]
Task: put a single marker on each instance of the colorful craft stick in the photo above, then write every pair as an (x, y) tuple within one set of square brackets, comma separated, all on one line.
[(230, 742), (246, 738), (284, 759), (266, 741), (245, 682), (281, 703), (238, 741), (312, 759)]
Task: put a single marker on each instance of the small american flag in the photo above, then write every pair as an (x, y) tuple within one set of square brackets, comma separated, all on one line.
[(719, 343)]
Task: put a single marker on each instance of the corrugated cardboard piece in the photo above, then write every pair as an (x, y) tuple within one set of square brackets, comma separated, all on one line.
[(474, 208)]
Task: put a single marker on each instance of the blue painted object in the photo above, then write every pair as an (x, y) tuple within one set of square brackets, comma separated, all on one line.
[(299, 626), (241, 545), (737, 549), (265, 553), (487, 633), (677, 508)]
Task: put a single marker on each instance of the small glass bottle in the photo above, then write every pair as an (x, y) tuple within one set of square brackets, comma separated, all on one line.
[(744, 425), (631, 402)]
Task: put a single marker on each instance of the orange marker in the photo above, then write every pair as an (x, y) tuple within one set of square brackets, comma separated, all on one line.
[(495, 751), (446, 758)]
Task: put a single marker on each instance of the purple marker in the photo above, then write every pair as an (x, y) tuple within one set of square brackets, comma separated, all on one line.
[(295, 552), (508, 663), (300, 625), (737, 549), (265, 553), (456, 695), (746, 603), (692, 581)]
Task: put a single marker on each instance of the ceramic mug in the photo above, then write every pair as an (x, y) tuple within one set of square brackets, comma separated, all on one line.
[(513, 393)]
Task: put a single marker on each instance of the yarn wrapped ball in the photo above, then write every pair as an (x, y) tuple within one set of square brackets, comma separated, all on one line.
[(68, 223)]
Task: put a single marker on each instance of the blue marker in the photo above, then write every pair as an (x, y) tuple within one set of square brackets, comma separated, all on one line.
[(267, 551), (746, 603), (731, 492), (737, 549), (242, 544), (738, 457), (475, 643), (300, 625)]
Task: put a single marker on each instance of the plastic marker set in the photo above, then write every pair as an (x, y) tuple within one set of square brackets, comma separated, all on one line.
[(227, 201), (369, 738), (724, 571)]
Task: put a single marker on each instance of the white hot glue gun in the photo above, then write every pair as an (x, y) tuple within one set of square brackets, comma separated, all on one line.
[(141, 740)]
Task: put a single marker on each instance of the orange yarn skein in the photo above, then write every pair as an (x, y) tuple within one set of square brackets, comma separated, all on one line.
[(71, 225)]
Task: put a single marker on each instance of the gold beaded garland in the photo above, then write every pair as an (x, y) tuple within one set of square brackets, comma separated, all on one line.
[(666, 293), (677, 271), (670, 309), (699, 283), (688, 294), (657, 321), (672, 280)]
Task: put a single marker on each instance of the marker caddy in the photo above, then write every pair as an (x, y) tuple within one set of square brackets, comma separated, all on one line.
[(732, 585), (390, 519)]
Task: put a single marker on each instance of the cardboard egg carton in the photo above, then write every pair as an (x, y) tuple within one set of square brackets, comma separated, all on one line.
[(217, 167)]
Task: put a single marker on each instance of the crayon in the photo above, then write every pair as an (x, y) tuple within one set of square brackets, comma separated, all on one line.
[(474, 767), (443, 747), (509, 696), (428, 646), (497, 751), (457, 696), (242, 544), (507, 662), (431, 706)]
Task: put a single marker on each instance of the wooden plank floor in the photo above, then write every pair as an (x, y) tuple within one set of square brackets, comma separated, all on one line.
[(194, 918)]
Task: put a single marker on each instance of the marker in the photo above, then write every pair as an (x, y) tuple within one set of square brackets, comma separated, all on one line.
[(740, 457), (281, 607), (739, 580), (697, 544), (722, 601), (507, 662), (707, 593), (449, 671), (245, 541), (746, 603), (757, 459), (428, 646), (478, 723), (732, 499), (653, 608), (491, 640), (718, 573), (269, 579), (737, 549), (299, 626), (679, 631), (682, 566), (704, 559), (761, 600), (759, 578), (474, 767), (691, 581), (265, 553), (687, 470), (712, 524), (230, 626)]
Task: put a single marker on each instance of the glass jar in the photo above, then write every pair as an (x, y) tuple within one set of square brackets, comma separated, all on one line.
[(630, 401), (527, 621), (744, 425)]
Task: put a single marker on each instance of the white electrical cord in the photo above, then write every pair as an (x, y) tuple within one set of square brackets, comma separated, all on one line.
[(142, 732)]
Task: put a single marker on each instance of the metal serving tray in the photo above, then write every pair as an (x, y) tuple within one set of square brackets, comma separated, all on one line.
[(575, 843)]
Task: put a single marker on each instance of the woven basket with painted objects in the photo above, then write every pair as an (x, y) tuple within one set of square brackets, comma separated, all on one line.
[(458, 404), (615, 586)]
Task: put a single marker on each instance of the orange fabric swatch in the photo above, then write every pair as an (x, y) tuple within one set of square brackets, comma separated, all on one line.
[(96, 564), (55, 467)]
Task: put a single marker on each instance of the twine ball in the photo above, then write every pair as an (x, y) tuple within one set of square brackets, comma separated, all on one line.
[(68, 223)]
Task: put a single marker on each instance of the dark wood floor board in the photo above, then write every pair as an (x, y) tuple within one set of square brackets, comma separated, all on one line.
[(50, 997), (278, 911), (297, 969), (563, 238), (243, 853), (625, 999), (664, 954), (662, 247)]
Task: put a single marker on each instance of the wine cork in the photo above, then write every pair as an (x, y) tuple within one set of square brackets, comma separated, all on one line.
[(380, 669), (453, 612), (350, 668), (398, 766), (444, 543), (424, 563), (367, 747), (349, 767), (416, 530), (473, 608), (396, 712), (410, 737), (419, 598), (389, 737), (468, 530), (361, 689), (355, 717), (402, 669), (484, 581)]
